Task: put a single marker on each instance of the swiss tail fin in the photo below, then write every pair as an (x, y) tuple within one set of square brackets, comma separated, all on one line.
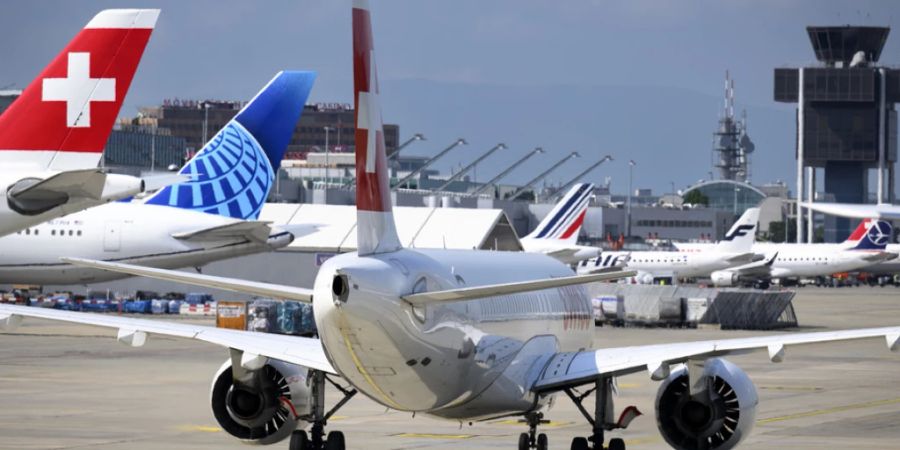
[(742, 235), (375, 228), (565, 219), (234, 172), (876, 237), (63, 118)]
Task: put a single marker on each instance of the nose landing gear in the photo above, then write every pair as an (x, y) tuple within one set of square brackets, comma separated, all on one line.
[(317, 439)]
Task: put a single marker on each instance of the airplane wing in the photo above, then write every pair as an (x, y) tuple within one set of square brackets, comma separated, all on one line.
[(759, 268), (570, 369), (209, 281), (467, 293), (306, 352), (87, 183), (748, 257), (251, 230), (882, 211)]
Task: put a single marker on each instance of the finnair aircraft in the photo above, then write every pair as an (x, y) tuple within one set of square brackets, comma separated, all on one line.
[(462, 335), (211, 217), (734, 249), (52, 136), (557, 234)]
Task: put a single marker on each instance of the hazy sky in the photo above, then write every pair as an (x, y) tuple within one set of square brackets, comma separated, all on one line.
[(227, 49)]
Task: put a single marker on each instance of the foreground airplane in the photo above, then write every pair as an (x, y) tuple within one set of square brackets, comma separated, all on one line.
[(461, 335), (557, 234), (52, 136), (735, 249), (212, 217)]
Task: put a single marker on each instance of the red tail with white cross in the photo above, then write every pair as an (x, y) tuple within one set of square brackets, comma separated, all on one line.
[(375, 228), (64, 117)]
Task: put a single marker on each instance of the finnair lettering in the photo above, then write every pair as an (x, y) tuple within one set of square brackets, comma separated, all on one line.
[(741, 230)]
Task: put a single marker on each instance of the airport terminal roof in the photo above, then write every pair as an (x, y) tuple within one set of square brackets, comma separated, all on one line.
[(419, 227)]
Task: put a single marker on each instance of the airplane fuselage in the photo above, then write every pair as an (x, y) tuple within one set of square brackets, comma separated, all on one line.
[(457, 360), (677, 264)]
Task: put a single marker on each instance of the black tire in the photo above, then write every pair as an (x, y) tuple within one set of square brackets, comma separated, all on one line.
[(523, 442), (335, 441), (580, 443), (542, 442), (616, 444), (299, 441)]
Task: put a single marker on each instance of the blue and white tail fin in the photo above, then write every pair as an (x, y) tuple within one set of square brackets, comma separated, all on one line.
[(234, 172), (565, 219), (742, 235), (877, 237)]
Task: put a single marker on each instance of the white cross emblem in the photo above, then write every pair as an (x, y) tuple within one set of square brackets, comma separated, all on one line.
[(78, 90), (370, 115)]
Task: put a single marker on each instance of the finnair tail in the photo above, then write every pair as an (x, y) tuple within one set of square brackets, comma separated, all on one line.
[(63, 118), (375, 227), (742, 235), (876, 237), (233, 174), (564, 222)]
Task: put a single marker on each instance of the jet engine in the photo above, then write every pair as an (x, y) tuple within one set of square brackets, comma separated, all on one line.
[(724, 278), (265, 405), (717, 418)]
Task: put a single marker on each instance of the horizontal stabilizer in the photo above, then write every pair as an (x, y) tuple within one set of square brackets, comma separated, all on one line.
[(196, 279), (85, 183), (469, 293), (251, 230)]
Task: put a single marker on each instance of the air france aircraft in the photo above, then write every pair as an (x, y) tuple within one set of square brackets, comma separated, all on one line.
[(213, 216), (557, 234), (463, 335), (52, 136), (734, 249)]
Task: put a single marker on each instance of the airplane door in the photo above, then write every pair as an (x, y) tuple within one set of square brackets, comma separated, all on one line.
[(112, 236)]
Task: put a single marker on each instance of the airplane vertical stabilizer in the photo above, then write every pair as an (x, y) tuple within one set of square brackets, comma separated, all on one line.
[(565, 219), (742, 235), (877, 236), (376, 231)]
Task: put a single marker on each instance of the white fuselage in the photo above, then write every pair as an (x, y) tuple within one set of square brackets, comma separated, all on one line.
[(559, 249), (466, 359), (658, 263), (126, 232)]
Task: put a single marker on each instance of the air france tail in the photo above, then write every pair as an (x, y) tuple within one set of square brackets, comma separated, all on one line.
[(375, 229), (233, 174), (876, 237), (64, 117), (742, 234), (565, 220)]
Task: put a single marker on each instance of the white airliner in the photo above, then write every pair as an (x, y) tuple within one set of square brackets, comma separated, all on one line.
[(52, 136), (213, 216), (864, 248), (461, 335), (735, 249), (557, 234)]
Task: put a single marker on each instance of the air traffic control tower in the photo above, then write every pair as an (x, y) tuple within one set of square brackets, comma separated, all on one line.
[(846, 122)]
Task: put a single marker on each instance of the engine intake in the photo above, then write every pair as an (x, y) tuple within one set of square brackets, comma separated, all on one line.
[(724, 278), (717, 419), (265, 407)]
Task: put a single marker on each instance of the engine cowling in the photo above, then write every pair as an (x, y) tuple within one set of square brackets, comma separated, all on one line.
[(718, 419), (724, 278), (266, 406)]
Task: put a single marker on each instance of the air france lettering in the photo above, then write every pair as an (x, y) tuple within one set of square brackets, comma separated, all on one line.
[(78, 90)]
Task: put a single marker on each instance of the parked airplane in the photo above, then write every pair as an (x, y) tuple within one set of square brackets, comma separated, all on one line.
[(52, 136), (211, 217), (734, 249), (461, 335), (557, 234)]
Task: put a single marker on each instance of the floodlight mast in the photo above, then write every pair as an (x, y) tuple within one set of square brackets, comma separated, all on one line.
[(414, 138), (428, 163), (506, 172), (469, 167), (581, 175), (543, 174)]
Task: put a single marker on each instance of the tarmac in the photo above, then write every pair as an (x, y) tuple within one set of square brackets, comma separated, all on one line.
[(74, 387)]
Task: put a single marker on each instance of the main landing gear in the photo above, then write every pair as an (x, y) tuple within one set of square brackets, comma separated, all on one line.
[(603, 411), (532, 440), (316, 439)]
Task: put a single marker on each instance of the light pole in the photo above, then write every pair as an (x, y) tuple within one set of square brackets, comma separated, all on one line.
[(327, 130), (562, 190), (464, 170), (631, 165), (506, 172), (541, 176), (428, 163), (414, 138)]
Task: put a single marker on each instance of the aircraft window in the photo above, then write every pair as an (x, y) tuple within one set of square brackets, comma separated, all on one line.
[(52, 232), (36, 232), (79, 232), (28, 231), (71, 232)]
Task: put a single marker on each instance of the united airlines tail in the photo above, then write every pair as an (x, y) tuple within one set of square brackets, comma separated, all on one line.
[(876, 237), (233, 174), (564, 221), (742, 235)]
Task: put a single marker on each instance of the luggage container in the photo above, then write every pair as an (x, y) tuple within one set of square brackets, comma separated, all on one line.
[(231, 315), (695, 310), (158, 306), (262, 316), (174, 306)]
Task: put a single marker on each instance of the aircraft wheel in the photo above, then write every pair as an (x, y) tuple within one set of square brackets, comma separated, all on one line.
[(542, 442), (580, 443), (523, 442), (616, 444), (299, 441), (335, 441)]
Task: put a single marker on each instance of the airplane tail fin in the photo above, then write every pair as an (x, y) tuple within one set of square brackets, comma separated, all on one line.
[(742, 234), (234, 172), (565, 219), (857, 234), (375, 228), (64, 117), (876, 237)]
